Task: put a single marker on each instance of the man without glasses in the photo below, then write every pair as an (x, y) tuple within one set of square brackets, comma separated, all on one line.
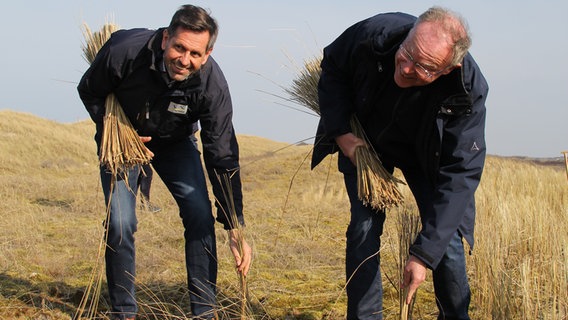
[(166, 81)]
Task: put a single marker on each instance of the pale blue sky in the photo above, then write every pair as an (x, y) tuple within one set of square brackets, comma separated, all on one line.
[(520, 45)]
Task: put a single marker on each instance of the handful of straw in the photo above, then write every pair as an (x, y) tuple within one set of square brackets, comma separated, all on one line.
[(376, 186), (121, 147)]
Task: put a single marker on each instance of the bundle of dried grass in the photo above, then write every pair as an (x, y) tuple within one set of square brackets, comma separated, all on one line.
[(121, 148), (376, 186)]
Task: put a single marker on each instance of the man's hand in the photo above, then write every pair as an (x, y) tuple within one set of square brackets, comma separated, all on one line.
[(144, 140), (239, 245), (414, 275), (348, 143)]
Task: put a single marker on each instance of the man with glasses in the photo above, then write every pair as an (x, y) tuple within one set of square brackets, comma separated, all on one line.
[(420, 98)]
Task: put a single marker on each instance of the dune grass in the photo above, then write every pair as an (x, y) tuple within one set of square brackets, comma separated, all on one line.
[(52, 209)]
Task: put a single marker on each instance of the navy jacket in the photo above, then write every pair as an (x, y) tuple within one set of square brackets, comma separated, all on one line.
[(130, 65), (449, 147)]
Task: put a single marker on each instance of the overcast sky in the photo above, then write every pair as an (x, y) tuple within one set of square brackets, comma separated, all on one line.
[(520, 46)]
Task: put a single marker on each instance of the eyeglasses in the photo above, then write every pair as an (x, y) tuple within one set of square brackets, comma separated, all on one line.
[(421, 70)]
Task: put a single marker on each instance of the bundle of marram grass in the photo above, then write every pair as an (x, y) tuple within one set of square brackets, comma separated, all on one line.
[(376, 186), (121, 148)]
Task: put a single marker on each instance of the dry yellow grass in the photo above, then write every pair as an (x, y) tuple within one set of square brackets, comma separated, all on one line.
[(51, 209)]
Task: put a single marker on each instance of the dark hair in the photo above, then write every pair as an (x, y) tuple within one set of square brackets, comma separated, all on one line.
[(197, 19)]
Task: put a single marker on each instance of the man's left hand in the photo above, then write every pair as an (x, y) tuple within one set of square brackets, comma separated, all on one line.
[(241, 251), (414, 275), (144, 140)]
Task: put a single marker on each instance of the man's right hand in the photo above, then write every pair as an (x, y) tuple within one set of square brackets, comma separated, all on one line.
[(348, 143)]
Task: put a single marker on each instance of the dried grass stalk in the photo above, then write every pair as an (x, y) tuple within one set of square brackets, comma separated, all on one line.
[(121, 148), (376, 186), (226, 186), (408, 226), (565, 153)]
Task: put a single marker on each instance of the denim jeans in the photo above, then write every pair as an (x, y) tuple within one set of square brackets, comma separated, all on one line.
[(364, 286), (180, 168), (450, 283)]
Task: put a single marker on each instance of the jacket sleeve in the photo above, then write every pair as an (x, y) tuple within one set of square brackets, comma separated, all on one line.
[(221, 150), (335, 92), (462, 159)]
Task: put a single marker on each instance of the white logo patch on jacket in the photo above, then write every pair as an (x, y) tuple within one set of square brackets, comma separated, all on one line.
[(177, 108)]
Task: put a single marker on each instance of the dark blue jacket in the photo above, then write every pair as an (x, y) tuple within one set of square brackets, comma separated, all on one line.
[(130, 65), (449, 149)]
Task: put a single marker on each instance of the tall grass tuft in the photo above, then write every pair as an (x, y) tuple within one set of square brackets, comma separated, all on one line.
[(376, 186)]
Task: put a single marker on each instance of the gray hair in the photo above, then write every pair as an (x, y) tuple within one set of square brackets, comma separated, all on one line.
[(452, 24)]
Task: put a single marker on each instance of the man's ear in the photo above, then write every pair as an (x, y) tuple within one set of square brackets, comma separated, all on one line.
[(207, 54), (165, 38)]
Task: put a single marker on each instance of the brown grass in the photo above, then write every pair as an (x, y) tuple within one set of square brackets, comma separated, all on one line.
[(52, 207)]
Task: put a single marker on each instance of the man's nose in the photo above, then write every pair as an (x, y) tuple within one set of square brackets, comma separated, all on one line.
[(407, 66), (185, 59)]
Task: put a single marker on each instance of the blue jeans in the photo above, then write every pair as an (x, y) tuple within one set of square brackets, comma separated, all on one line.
[(180, 168), (450, 283), (364, 286)]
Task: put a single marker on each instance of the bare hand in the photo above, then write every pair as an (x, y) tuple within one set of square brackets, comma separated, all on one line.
[(414, 275), (144, 140), (241, 251), (348, 143)]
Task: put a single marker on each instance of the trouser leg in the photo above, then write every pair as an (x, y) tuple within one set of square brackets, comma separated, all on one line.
[(364, 284), (451, 284), (145, 182), (180, 168)]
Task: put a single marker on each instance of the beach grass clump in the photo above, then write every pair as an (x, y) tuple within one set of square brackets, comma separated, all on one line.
[(376, 186)]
